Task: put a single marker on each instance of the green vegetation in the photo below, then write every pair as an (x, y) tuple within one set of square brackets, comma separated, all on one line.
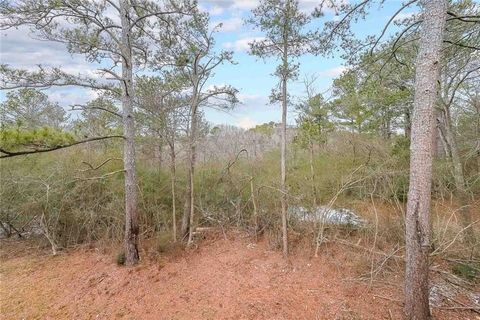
[(16, 138), (64, 193), (469, 271)]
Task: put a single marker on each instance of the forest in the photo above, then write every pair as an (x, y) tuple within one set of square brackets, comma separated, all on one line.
[(356, 196)]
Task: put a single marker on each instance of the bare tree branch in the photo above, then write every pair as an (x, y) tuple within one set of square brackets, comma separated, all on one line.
[(10, 154)]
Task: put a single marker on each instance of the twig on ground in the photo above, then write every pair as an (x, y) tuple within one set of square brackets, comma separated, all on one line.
[(470, 308), (356, 246), (387, 298)]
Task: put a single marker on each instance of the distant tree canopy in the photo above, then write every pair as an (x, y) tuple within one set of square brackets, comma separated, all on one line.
[(99, 117), (365, 103), (28, 108), (30, 120), (265, 128), (314, 121)]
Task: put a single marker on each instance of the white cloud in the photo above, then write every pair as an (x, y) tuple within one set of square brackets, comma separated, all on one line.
[(246, 123), (250, 103), (405, 15), (241, 44), (212, 87), (245, 4), (216, 11), (328, 6), (21, 50), (333, 72), (213, 10), (336, 18), (308, 5), (217, 7), (92, 73), (247, 98), (232, 24), (67, 96)]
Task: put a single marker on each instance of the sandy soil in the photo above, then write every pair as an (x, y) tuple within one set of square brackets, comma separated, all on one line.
[(220, 279)]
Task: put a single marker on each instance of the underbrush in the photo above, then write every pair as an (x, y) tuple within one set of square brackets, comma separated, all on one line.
[(75, 196)]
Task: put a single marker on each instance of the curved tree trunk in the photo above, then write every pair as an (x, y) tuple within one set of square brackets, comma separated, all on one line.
[(131, 198), (417, 223)]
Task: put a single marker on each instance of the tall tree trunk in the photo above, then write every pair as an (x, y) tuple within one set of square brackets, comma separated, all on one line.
[(476, 103), (173, 171), (254, 203), (408, 122), (443, 139), (417, 223), (191, 169), (189, 208), (458, 176), (312, 175), (186, 207), (131, 198), (160, 155), (283, 156)]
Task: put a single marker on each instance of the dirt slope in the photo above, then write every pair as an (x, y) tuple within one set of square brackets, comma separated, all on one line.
[(222, 279)]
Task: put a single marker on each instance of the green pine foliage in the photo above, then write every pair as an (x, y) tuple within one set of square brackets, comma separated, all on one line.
[(13, 138)]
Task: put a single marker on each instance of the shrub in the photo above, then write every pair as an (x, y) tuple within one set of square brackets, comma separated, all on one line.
[(121, 259)]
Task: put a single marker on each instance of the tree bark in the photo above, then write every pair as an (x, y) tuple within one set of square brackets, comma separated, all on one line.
[(283, 156), (173, 181), (443, 139), (476, 103), (312, 175), (186, 207), (254, 203), (417, 223), (131, 198), (160, 155), (191, 174), (189, 209), (408, 123)]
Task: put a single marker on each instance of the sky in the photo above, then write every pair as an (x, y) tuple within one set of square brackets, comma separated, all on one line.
[(250, 75)]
